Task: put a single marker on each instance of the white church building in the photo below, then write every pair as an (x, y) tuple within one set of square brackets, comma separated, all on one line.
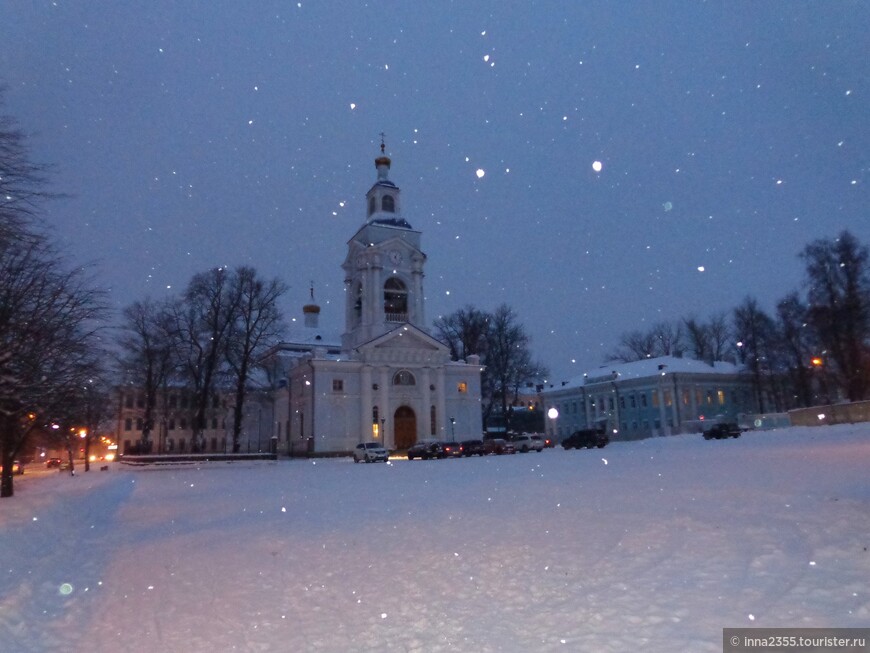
[(385, 379)]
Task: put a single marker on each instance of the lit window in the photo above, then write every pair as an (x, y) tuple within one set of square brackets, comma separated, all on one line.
[(462, 387), (721, 394)]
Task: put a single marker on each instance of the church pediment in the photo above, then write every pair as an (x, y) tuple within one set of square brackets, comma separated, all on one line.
[(406, 343)]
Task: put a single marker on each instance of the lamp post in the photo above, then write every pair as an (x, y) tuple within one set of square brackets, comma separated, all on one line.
[(553, 414), (384, 432), (453, 429)]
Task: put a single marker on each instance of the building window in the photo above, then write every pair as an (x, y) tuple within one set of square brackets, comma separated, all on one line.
[(140, 401), (139, 424), (128, 424), (610, 403), (338, 385), (395, 300), (388, 204), (632, 401), (655, 399), (183, 424), (128, 401), (173, 401), (214, 423), (372, 204), (643, 400), (685, 397), (462, 387), (622, 402), (709, 397), (721, 394), (668, 399), (404, 378), (172, 425), (375, 415)]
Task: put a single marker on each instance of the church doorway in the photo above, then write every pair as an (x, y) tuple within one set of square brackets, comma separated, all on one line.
[(404, 427)]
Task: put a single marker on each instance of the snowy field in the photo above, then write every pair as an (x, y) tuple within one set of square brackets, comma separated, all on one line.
[(644, 546)]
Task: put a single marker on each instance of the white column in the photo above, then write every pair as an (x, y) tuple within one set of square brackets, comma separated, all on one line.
[(384, 408), (366, 404), (440, 404), (427, 401)]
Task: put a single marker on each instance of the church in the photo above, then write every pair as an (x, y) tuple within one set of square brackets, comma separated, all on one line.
[(385, 379)]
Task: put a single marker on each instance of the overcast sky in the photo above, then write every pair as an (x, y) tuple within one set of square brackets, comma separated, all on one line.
[(197, 134)]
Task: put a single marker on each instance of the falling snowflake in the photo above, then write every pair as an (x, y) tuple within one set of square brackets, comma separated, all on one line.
[(480, 173), (596, 166)]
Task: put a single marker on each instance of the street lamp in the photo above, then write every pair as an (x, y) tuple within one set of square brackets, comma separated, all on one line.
[(453, 429), (553, 414), (383, 431)]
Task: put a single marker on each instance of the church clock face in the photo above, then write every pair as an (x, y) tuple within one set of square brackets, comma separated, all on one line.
[(396, 257)]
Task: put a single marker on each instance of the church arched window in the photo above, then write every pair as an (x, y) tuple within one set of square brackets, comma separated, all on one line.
[(388, 204), (357, 305), (395, 300), (372, 204), (404, 377)]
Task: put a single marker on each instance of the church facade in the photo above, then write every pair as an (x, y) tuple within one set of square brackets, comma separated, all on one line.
[(386, 379)]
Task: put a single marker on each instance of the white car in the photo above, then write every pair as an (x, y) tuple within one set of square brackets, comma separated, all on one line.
[(370, 452), (525, 443)]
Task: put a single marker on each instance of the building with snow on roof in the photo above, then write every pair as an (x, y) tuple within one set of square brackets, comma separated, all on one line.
[(647, 398), (384, 378)]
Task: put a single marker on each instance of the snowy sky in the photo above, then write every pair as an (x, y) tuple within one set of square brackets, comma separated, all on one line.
[(199, 134)]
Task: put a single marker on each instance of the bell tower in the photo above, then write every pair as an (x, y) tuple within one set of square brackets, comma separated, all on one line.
[(384, 266)]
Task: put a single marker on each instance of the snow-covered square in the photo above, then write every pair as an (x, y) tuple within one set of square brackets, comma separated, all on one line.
[(654, 545)]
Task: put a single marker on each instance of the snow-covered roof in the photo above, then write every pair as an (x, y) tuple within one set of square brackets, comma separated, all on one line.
[(646, 368)]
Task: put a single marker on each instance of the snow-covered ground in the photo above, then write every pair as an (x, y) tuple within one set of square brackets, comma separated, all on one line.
[(644, 546)]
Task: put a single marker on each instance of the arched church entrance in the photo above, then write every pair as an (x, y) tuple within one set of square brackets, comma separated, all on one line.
[(404, 427)]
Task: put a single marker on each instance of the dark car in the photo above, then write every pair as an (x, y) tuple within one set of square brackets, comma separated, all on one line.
[(586, 439), (52, 462), (722, 430), (473, 448), (425, 450), (452, 449), (498, 446)]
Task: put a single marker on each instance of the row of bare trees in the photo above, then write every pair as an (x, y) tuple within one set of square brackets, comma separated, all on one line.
[(51, 317), (503, 345), (809, 351), (206, 341)]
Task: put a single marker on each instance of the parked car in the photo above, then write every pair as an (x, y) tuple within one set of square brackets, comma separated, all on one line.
[(17, 467), (722, 430), (370, 452), (526, 443), (451, 449), (473, 448), (52, 462), (498, 446), (425, 449), (586, 438)]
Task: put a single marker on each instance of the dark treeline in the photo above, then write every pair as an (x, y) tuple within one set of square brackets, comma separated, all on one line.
[(815, 347)]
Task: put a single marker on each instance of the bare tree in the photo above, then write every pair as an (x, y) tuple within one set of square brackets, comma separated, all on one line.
[(464, 332), (258, 323), (797, 343), (49, 322), (49, 313), (203, 320), (838, 297), (146, 358), (756, 331), (508, 362)]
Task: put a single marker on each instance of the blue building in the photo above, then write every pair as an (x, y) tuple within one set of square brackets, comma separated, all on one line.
[(648, 398)]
